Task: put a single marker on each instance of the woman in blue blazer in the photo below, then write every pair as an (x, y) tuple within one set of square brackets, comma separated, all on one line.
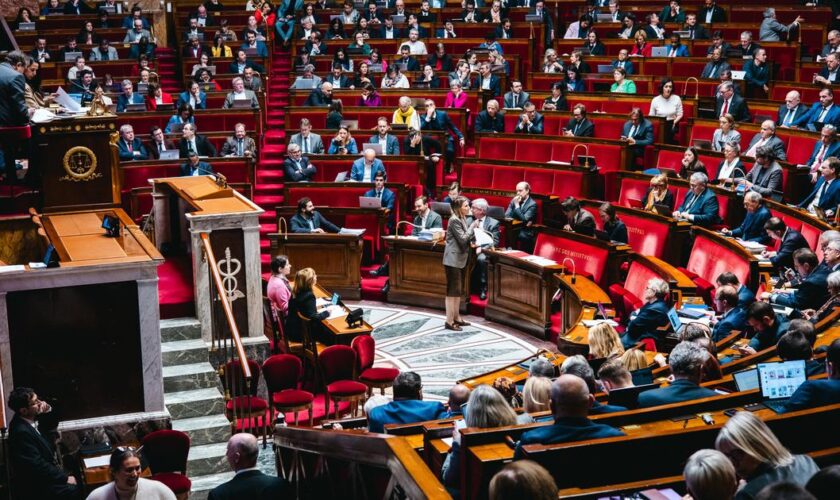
[(573, 81), (183, 116)]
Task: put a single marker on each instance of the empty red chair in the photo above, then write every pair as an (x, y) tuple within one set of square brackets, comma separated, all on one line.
[(338, 363), (244, 402), (365, 347), (282, 377), (167, 452)]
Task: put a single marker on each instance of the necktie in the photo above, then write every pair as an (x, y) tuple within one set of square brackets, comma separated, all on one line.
[(161, 148), (725, 108), (632, 131), (821, 193), (821, 119), (822, 153), (305, 145), (130, 147), (574, 130), (239, 147), (691, 33), (192, 145), (104, 55), (515, 98), (379, 194), (713, 71), (789, 116)]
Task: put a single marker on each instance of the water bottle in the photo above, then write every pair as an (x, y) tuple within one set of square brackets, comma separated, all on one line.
[(280, 420)]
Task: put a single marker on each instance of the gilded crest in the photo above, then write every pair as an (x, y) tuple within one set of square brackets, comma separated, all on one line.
[(80, 165)]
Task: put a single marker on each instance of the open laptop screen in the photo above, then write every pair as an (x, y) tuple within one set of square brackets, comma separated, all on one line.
[(781, 379)]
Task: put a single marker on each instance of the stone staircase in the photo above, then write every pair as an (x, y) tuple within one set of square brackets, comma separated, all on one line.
[(194, 398)]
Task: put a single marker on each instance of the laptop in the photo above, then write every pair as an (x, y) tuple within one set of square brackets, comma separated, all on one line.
[(170, 154), (702, 144), (135, 106), (778, 382), (211, 69), (143, 88), (350, 124), (398, 19), (241, 104), (369, 202), (71, 56), (26, 26), (674, 319), (684, 34), (251, 52), (304, 83), (628, 397), (605, 68), (376, 147), (746, 380), (602, 311), (604, 18), (354, 51), (168, 106), (341, 177), (375, 68), (691, 312), (738, 74), (659, 51), (533, 18)]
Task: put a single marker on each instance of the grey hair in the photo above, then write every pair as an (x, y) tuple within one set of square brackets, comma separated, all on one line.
[(769, 12), (126, 82), (833, 279), (541, 367), (699, 177), (831, 128), (769, 123), (480, 203), (747, 33), (687, 358), (727, 85), (834, 32), (237, 78), (488, 408), (659, 286), (828, 236), (191, 126), (125, 128), (753, 196), (734, 145)]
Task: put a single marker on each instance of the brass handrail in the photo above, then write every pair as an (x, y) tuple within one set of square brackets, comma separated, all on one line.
[(213, 266)]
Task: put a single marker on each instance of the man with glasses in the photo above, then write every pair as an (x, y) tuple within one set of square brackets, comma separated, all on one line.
[(700, 206), (812, 290), (37, 470), (297, 166), (791, 111), (579, 125), (729, 102)]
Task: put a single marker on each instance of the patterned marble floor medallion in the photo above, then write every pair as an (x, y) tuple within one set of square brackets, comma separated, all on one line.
[(417, 341)]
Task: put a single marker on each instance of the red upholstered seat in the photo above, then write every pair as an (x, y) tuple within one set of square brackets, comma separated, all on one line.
[(646, 236), (365, 348), (632, 189), (282, 374), (175, 481), (241, 403), (346, 388), (708, 260), (379, 375), (588, 258), (292, 397), (338, 364)]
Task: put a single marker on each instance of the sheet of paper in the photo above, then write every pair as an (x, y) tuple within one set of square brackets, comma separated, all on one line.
[(589, 323), (99, 461), (336, 312), (67, 102), (448, 441), (12, 269), (482, 237), (357, 232)]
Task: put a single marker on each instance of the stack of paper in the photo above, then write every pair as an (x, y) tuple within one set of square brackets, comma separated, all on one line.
[(540, 261)]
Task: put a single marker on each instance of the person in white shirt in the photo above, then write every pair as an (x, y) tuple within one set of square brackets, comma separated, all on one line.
[(125, 469), (668, 105), (731, 167), (415, 46)]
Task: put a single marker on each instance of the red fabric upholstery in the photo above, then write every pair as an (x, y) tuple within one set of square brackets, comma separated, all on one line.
[(338, 363), (365, 348), (708, 260), (637, 278), (379, 375), (346, 388), (241, 404), (632, 189), (588, 258), (292, 397), (646, 236), (649, 345), (176, 482), (166, 451), (16, 133)]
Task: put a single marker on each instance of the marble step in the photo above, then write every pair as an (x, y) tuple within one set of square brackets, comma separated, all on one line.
[(190, 376), (179, 329), (194, 403), (204, 430), (207, 459), (181, 352), (201, 485)]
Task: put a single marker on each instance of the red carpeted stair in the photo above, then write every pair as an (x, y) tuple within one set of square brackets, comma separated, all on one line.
[(167, 69)]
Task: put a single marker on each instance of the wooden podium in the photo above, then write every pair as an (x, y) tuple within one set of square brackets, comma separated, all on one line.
[(336, 258), (186, 207), (79, 163)]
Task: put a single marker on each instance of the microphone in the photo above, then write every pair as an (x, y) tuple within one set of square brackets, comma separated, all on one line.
[(404, 222), (574, 273), (585, 149), (283, 227), (738, 169)]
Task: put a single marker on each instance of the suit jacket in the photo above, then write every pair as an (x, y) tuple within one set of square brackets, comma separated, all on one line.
[(123, 101), (811, 293), (357, 171), (815, 393), (680, 390), (745, 297), (342, 83), (768, 181), (833, 149), (799, 112), (299, 224), (495, 86), (136, 145), (202, 145), (203, 168), (96, 54), (458, 237), (584, 223), (132, 36), (565, 430), (36, 470), (696, 33), (262, 50), (491, 226), (774, 143), (643, 134), (829, 200), (249, 94), (184, 98), (756, 76), (294, 174), (316, 145), (772, 30), (388, 198), (404, 411), (441, 121), (486, 123), (706, 210), (791, 241), (189, 51), (231, 147), (735, 319), (391, 146), (737, 108), (521, 100), (628, 66), (718, 14), (433, 220), (317, 98), (153, 149), (832, 117), (585, 128), (616, 231), (650, 317), (769, 337), (752, 227), (234, 67), (527, 212), (718, 68), (536, 126), (825, 74), (682, 50)]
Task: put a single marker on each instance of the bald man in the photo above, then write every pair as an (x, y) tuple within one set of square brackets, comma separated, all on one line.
[(249, 482), (458, 397), (570, 403)]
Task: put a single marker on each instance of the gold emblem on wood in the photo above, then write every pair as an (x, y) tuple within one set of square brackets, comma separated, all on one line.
[(80, 164)]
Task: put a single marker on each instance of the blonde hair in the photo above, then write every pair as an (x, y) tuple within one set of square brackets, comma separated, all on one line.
[(536, 394), (747, 433), (304, 279), (659, 179), (634, 359), (604, 342), (709, 475), (488, 408)]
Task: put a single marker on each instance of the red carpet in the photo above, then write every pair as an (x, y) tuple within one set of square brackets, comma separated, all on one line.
[(175, 288), (372, 287)]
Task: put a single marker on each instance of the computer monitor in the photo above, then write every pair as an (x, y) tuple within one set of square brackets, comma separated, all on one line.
[(779, 380)]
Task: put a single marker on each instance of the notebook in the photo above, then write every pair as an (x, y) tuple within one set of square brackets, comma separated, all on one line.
[(778, 382)]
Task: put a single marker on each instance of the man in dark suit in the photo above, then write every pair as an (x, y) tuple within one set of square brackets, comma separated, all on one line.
[(579, 367), (710, 13), (425, 217), (40, 52), (695, 31), (385, 195), (728, 102), (745, 295), (824, 392), (638, 132), (491, 227), (249, 481), (130, 147), (792, 111), (407, 407), (320, 97), (700, 205), (570, 404), (517, 97), (490, 120), (646, 321), (826, 147), (308, 220), (194, 166), (159, 142), (716, 65), (752, 228), (830, 74), (297, 167), (826, 193), (790, 241), (686, 361), (767, 326), (767, 137), (241, 62), (390, 143), (487, 81), (337, 79), (812, 290), (823, 112), (435, 119), (129, 96), (37, 473), (524, 209), (579, 125), (191, 141), (731, 316), (624, 62), (577, 220), (194, 49), (530, 122)]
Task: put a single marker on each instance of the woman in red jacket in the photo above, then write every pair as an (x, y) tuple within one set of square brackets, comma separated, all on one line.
[(641, 48), (157, 96)]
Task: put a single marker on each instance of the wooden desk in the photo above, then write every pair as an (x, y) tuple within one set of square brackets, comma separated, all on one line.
[(417, 274), (336, 258), (513, 371), (336, 328), (579, 302), (519, 292), (94, 477)]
